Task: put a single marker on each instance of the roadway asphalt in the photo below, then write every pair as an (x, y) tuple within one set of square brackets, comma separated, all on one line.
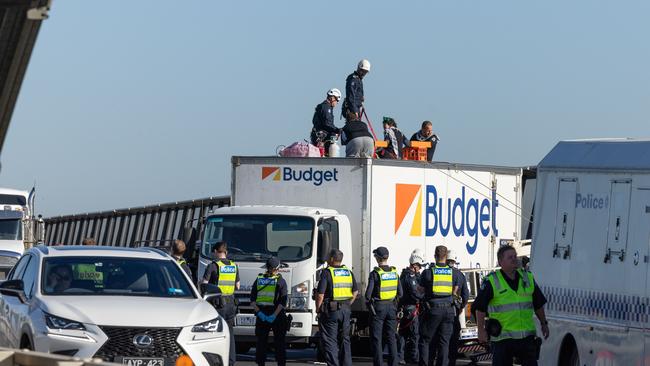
[(308, 357)]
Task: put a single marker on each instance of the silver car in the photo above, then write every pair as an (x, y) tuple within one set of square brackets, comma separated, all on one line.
[(131, 306)]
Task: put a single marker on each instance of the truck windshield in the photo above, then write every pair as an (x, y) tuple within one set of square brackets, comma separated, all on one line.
[(11, 229), (258, 237), (108, 276)]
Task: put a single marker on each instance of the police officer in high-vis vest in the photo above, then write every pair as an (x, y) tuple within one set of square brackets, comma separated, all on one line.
[(269, 299), (510, 297), (178, 251), (337, 290), (437, 319), (225, 274), (381, 296)]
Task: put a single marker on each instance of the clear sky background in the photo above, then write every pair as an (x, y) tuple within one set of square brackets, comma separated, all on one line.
[(140, 102)]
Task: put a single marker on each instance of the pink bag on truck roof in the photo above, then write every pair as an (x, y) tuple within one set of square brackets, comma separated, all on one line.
[(300, 149)]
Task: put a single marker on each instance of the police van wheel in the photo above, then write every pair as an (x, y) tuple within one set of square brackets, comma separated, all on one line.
[(574, 360), (569, 353)]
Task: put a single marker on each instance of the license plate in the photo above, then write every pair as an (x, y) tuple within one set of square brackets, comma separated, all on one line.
[(469, 333), (246, 321), (141, 361)]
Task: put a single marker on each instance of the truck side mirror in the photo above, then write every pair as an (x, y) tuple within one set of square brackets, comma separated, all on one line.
[(324, 245)]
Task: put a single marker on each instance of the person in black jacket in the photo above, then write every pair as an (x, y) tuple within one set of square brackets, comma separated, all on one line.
[(323, 120), (357, 139), (354, 97), (395, 138), (409, 303), (426, 134)]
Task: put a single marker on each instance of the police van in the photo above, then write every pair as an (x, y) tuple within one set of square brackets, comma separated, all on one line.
[(590, 252)]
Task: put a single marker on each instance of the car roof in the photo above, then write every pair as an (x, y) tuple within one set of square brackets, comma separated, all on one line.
[(100, 251)]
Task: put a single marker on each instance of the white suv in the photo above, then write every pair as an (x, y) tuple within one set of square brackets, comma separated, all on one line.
[(130, 306)]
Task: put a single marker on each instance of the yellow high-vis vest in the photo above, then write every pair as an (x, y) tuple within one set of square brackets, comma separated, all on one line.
[(387, 283), (341, 283)]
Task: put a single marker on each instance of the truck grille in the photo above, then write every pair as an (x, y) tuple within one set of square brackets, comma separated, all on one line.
[(120, 343)]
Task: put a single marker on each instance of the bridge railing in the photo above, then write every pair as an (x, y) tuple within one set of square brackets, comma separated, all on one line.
[(127, 226)]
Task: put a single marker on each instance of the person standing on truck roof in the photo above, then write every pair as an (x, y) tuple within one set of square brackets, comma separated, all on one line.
[(337, 290), (381, 295), (178, 249), (354, 97), (409, 303), (324, 130), (511, 296), (225, 274), (426, 135), (269, 299), (357, 139), (461, 297), (395, 138), (438, 318)]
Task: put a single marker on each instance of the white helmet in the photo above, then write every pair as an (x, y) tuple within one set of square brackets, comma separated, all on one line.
[(451, 256), (364, 65), (416, 257), (334, 93)]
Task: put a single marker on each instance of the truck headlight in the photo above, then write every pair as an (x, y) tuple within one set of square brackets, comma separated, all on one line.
[(299, 296), (55, 322), (214, 325)]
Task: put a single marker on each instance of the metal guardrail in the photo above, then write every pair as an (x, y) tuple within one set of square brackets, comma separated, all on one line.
[(13, 357), (127, 226)]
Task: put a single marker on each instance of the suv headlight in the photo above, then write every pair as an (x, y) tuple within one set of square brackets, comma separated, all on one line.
[(214, 325), (298, 300), (55, 322)]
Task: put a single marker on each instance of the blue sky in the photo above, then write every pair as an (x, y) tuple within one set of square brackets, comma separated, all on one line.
[(127, 105)]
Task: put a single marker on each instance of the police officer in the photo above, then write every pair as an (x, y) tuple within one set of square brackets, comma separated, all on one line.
[(438, 316), (337, 290), (178, 249), (269, 299), (323, 120), (225, 274), (407, 341), (354, 90), (461, 297), (511, 296), (381, 295)]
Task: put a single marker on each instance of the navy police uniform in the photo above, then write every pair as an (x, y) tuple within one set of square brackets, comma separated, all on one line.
[(268, 293), (323, 121), (353, 94), (334, 314), (383, 321), (409, 303), (228, 307)]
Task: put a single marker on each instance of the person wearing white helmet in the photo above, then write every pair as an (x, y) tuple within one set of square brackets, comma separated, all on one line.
[(323, 129), (409, 334), (461, 297), (354, 90)]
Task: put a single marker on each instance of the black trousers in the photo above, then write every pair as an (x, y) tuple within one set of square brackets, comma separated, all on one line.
[(279, 328), (228, 310), (436, 326), (453, 342), (383, 327), (335, 333), (408, 336), (524, 349)]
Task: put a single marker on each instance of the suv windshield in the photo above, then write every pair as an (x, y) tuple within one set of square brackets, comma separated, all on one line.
[(257, 237), (113, 276), (11, 229)]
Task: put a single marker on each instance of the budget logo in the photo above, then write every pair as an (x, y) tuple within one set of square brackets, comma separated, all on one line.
[(308, 175), (271, 170), (462, 216)]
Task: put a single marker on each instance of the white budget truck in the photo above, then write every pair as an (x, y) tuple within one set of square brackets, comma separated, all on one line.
[(591, 251), (300, 208)]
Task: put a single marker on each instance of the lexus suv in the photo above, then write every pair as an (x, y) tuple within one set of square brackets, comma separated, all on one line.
[(124, 305)]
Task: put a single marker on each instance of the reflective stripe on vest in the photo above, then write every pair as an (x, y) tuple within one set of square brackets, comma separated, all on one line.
[(341, 283), (266, 290), (387, 283), (442, 284), (513, 309), (227, 277)]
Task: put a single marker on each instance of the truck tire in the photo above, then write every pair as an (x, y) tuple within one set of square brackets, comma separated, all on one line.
[(569, 355)]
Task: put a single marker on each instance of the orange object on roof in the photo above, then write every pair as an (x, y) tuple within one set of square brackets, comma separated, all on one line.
[(421, 144), (379, 144)]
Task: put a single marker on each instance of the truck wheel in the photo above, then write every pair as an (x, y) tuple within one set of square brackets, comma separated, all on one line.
[(574, 360), (569, 352)]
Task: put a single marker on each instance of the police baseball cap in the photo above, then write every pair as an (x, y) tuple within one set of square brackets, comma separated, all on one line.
[(381, 252), (273, 263)]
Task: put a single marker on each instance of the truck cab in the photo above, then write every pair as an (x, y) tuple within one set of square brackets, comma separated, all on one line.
[(301, 237)]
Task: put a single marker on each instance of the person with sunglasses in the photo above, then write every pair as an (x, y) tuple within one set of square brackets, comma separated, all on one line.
[(59, 279)]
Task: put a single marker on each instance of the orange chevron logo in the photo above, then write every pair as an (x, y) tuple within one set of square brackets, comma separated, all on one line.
[(268, 170), (405, 195)]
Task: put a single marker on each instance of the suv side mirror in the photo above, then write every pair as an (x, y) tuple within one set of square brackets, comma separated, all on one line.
[(211, 293), (14, 288)]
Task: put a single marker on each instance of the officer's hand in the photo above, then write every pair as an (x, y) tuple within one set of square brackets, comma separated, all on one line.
[(262, 316), (271, 318), (545, 331), (482, 336)]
